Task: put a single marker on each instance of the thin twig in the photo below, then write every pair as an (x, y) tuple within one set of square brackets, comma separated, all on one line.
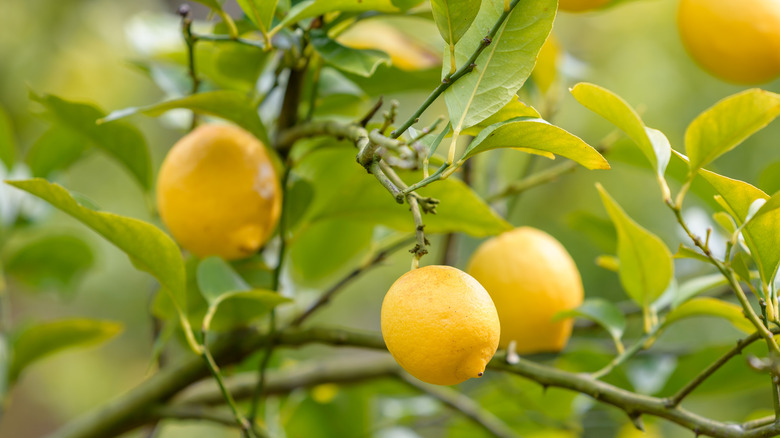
[(629, 352), (464, 405)]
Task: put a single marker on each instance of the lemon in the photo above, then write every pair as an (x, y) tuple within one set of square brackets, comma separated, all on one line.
[(580, 5), (440, 325), (217, 192), (736, 40), (530, 277)]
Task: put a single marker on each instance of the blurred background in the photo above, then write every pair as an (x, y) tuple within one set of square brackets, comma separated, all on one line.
[(92, 51)]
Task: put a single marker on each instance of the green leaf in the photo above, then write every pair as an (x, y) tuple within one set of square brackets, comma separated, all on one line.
[(617, 111), (725, 221), (728, 123), (608, 262), (646, 266), (211, 4), (226, 104), (228, 294), (697, 286), (706, 306), (503, 67), (261, 12), (313, 8), (771, 204), (536, 134), (599, 231), (453, 17), (600, 311), (44, 339), (343, 190), (761, 234), (355, 61), (121, 140), (7, 142), (216, 278), (57, 149), (740, 264), (684, 252), (55, 261), (148, 247), (514, 109)]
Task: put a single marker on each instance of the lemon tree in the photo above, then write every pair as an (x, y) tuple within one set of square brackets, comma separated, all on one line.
[(340, 218)]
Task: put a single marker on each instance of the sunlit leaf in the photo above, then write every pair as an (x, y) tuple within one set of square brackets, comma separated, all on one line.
[(761, 234), (453, 17), (684, 252), (537, 134), (608, 262), (41, 340), (646, 266), (697, 286), (313, 8), (147, 246), (226, 104), (546, 70), (728, 123), (50, 262), (503, 66), (512, 110), (121, 140), (261, 12), (355, 61), (725, 221), (706, 306), (612, 107)]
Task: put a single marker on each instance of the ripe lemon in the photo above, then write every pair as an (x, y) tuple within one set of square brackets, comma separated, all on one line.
[(530, 277), (440, 325), (736, 40), (580, 5), (217, 192)]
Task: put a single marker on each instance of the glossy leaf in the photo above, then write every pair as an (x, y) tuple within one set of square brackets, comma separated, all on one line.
[(728, 123), (453, 17), (7, 142), (344, 190), (50, 262), (725, 221), (148, 247), (226, 104), (602, 312), (771, 204), (617, 111), (513, 109), (697, 286), (504, 66), (646, 266), (536, 134), (706, 306), (261, 12), (313, 8), (122, 141), (57, 149), (355, 61), (41, 340), (761, 234)]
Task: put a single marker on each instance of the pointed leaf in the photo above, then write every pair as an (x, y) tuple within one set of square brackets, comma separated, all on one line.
[(728, 123), (453, 17), (7, 142), (148, 247), (121, 140), (761, 234), (313, 8), (54, 261), (504, 65), (646, 266), (512, 110), (226, 104), (600, 311), (539, 135), (57, 149), (44, 339), (684, 252), (355, 61), (261, 12), (725, 221), (706, 306), (696, 286), (216, 278), (617, 111)]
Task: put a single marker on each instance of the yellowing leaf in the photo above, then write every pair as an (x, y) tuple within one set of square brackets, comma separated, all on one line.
[(706, 306)]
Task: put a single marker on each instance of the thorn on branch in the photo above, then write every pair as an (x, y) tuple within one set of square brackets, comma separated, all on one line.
[(636, 420)]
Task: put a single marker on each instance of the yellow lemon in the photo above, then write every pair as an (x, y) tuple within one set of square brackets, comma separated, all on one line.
[(736, 40), (530, 277), (580, 5), (440, 325), (630, 431), (217, 192)]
